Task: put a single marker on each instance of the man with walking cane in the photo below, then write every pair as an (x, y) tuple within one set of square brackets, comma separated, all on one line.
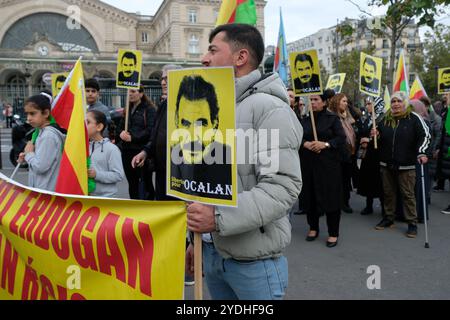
[(403, 141)]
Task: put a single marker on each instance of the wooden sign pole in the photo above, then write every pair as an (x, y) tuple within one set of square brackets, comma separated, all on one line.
[(198, 273), (127, 110), (374, 126), (311, 115)]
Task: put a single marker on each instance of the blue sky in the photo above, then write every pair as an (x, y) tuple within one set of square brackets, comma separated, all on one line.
[(301, 17)]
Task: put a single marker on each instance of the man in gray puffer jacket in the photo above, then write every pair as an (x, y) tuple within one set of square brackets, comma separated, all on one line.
[(243, 246)]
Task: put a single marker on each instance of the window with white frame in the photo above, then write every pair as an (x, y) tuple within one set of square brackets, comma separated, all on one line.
[(193, 44), (192, 16), (144, 37)]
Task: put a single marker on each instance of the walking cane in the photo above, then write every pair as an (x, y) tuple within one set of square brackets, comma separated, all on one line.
[(424, 202), (15, 171)]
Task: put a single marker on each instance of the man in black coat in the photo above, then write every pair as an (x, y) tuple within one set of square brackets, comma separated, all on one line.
[(156, 147)]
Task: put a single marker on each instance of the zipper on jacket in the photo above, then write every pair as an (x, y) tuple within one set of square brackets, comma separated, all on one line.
[(393, 139)]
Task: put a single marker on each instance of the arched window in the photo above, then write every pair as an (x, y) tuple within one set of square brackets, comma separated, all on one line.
[(50, 26)]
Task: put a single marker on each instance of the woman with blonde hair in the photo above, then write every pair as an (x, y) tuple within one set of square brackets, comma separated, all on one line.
[(339, 106)]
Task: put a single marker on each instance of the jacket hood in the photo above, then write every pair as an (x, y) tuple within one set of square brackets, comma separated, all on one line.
[(95, 144), (254, 82), (57, 129)]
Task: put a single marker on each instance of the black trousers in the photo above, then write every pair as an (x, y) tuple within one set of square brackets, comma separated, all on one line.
[(333, 220), (139, 182), (313, 215), (347, 173)]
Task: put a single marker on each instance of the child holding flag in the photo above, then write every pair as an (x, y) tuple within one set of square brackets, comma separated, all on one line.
[(106, 161), (44, 152)]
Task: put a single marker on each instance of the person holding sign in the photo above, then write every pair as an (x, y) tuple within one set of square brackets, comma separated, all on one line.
[(132, 141), (444, 81), (321, 170), (129, 76), (244, 259), (306, 81), (370, 70), (404, 140)]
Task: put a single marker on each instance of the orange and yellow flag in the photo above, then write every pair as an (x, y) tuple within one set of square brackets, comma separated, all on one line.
[(69, 113), (417, 89)]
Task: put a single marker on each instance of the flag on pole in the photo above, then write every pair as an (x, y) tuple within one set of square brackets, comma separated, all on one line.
[(69, 112), (387, 99), (237, 11), (401, 76), (417, 89), (280, 63)]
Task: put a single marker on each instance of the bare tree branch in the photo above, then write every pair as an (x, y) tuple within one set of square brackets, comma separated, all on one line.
[(359, 8)]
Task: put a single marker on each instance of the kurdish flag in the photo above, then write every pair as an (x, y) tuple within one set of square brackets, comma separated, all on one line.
[(69, 112), (401, 76), (280, 63), (417, 89), (237, 11)]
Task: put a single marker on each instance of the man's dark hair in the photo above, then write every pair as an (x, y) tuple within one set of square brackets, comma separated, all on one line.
[(193, 88), (60, 78), (129, 55), (92, 83), (328, 94), (445, 72), (242, 36), (303, 57), (370, 62)]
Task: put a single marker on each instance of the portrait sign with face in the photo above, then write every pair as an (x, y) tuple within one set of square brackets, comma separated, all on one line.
[(305, 73), (370, 75), (58, 80), (444, 80), (129, 66), (201, 136), (335, 82)]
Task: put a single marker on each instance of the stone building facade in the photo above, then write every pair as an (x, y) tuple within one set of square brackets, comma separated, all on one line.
[(46, 36)]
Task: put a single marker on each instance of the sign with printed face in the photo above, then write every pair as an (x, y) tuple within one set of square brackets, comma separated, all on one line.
[(129, 66), (305, 71), (58, 80), (370, 75), (444, 80), (335, 82), (201, 162)]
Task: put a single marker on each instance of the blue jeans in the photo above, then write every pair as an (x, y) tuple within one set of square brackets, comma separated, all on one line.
[(229, 279)]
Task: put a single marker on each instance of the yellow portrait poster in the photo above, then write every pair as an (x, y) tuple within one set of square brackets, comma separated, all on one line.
[(305, 73), (129, 66), (58, 80), (370, 75), (201, 125), (444, 80), (336, 82)]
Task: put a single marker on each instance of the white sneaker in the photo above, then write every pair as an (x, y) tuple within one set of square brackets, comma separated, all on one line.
[(446, 211)]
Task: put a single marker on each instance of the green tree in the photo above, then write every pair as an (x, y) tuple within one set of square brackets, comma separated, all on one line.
[(399, 14), (436, 55)]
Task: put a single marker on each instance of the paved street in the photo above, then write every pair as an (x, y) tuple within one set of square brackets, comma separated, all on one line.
[(408, 270)]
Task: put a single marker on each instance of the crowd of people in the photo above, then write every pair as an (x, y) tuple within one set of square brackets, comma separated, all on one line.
[(320, 163)]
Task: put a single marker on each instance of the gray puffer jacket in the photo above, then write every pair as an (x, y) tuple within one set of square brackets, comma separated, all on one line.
[(44, 162), (259, 227)]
